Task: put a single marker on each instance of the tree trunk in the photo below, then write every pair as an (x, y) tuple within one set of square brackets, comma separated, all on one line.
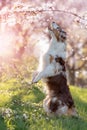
[(71, 71), (71, 77)]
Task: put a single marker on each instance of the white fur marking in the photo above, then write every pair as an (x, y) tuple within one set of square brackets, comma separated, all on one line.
[(54, 99), (54, 25), (62, 110)]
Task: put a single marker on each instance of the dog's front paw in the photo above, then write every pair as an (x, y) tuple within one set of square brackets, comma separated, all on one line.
[(34, 81), (34, 77)]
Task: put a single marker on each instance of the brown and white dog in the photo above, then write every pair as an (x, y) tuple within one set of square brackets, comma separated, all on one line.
[(53, 70)]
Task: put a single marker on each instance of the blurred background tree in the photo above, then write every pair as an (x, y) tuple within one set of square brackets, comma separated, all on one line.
[(24, 36)]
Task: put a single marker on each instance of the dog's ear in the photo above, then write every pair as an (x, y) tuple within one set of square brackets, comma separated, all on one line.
[(63, 35)]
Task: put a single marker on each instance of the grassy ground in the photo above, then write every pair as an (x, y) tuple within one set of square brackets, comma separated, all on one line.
[(21, 109)]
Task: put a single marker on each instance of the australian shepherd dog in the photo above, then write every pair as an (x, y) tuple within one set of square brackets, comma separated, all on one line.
[(52, 70)]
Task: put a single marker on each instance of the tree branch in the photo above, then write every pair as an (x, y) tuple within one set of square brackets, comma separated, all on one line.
[(33, 12)]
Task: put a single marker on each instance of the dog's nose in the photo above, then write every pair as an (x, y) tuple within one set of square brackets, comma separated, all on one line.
[(53, 22), (54, 25)]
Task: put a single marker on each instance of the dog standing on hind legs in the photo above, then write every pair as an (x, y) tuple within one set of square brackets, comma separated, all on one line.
[(53, 70), (47, 64)]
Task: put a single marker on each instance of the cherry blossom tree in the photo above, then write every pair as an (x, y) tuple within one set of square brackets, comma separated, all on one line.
[(27, 21)]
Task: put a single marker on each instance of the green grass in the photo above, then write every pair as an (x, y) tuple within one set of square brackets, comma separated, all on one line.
[(21, 109)]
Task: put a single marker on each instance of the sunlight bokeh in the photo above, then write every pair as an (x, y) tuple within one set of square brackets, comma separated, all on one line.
[(6, 47)]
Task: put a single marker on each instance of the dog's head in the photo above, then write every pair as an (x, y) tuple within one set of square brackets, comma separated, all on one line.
[(58, 31)]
